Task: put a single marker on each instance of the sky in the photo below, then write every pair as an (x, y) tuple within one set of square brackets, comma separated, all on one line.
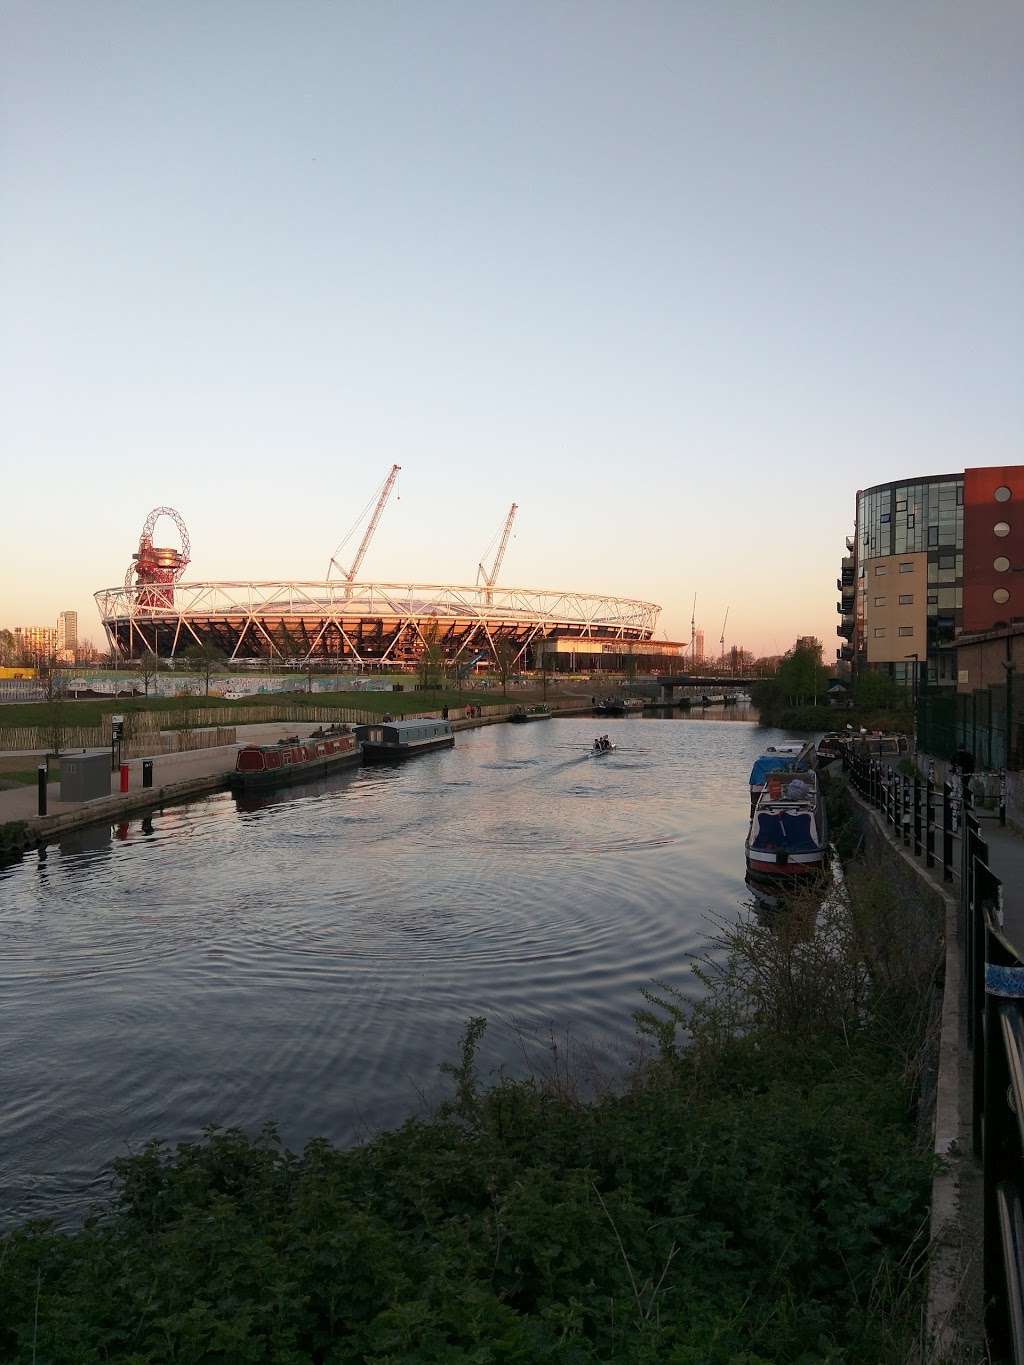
[(677, 278)]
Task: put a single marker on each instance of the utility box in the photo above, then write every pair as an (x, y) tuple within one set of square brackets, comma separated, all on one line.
[(84, 777)]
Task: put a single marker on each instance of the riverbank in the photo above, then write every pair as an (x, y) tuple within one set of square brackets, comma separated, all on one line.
[(754, 1188), (177, 777)]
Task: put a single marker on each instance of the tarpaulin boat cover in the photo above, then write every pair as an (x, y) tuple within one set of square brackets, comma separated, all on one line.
[(770, 763), (790, 830)]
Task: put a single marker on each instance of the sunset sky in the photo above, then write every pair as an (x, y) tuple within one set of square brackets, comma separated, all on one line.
[(678, 278)]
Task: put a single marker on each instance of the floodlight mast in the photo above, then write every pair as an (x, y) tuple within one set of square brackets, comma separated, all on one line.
[(385, 492), (489, 579)]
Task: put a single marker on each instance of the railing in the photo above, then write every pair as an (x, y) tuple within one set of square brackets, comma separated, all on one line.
[(925, 815), (920, 812)]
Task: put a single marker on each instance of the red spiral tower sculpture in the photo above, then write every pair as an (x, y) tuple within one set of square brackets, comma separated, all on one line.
[(155, 568)]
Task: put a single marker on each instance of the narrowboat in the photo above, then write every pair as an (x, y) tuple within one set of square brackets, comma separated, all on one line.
[(776, 758), (259, 766), (830, 746), (611, 706), (383, 740), (634, 704), (521, 714), (788, 837)]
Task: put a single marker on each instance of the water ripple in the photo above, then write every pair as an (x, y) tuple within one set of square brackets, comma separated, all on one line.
[(311, 955)]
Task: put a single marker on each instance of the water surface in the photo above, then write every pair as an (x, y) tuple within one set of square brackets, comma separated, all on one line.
[(311, 956)]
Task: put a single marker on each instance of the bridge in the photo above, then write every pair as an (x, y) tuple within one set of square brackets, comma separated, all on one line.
[(667, 684)]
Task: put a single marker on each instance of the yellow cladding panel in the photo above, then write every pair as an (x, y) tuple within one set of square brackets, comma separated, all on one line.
[(896, 607)]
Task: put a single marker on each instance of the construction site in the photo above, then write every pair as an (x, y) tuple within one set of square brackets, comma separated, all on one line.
[(350, 621)]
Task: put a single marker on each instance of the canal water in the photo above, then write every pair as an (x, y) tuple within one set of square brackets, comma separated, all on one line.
[(311, 956)]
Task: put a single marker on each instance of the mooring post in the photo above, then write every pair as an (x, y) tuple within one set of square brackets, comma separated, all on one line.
[(41, 787)]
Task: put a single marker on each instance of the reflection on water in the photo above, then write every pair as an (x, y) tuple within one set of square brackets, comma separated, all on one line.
[(310, 955)]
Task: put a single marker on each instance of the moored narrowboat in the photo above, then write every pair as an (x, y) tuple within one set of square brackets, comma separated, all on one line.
[(521, 714), (788, 837), (383, 740), (259, 766), (776, 758)]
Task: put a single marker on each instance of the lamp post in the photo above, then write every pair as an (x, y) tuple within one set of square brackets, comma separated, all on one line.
[(913, 685)]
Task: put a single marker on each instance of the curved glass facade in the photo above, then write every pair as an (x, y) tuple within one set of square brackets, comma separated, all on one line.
[(914, 516)]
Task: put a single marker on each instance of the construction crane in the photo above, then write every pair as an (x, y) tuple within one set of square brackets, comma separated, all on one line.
[(489, 579), (382, 495), (722, 640)]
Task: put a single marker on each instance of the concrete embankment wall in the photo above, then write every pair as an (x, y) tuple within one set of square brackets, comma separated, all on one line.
[(954, 1302)]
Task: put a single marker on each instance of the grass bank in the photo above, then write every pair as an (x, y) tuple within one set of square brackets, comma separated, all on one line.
[(91, 710), (754, 1192)]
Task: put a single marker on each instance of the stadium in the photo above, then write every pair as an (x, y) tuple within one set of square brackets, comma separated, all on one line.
[(345, 621)]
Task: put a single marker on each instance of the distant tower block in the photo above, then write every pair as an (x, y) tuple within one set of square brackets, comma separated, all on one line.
[(698, 647)]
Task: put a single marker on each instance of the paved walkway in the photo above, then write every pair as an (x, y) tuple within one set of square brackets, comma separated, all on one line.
[(20, 803)]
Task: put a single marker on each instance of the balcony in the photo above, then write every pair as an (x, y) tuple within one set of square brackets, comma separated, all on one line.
[(850, 543), (845, 627), (845, 653)]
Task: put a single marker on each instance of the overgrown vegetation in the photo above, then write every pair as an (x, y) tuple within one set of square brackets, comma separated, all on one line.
[(754, 1193), (796, 698)]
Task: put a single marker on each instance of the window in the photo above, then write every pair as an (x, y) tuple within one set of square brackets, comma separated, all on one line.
[(933, 599), (906, 599), (879, 632), (1000, 595), (906, 630), (959, 495), (933, 535), (910, 522), (886, 516), (947, 561), (1001, 528), (1001, 564), (879, 601), (1002, 494), (901, 504), (906, 568), (881, 569)]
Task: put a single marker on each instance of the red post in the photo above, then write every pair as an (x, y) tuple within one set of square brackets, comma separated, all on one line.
[(124, 777)]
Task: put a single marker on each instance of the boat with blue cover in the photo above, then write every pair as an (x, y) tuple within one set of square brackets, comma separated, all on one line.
[(788, 838), (776, 758)]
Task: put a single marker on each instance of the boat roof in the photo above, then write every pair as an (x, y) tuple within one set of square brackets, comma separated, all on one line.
[(407, 726)]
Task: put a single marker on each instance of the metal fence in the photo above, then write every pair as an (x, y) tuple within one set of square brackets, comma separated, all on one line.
[(941, 824), (988, 723)]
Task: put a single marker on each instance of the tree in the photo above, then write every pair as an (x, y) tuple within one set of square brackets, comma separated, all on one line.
[(801, 676), (431, 665), (505, 652), (206, 657), (148, 665), (7, 647), (876, 691)]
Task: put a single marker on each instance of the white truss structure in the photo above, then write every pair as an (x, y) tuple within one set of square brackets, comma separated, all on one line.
[(364, 622)]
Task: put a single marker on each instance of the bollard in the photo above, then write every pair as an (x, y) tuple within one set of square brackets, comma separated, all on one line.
[(124, 777), (147, 772), (41, 787)]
